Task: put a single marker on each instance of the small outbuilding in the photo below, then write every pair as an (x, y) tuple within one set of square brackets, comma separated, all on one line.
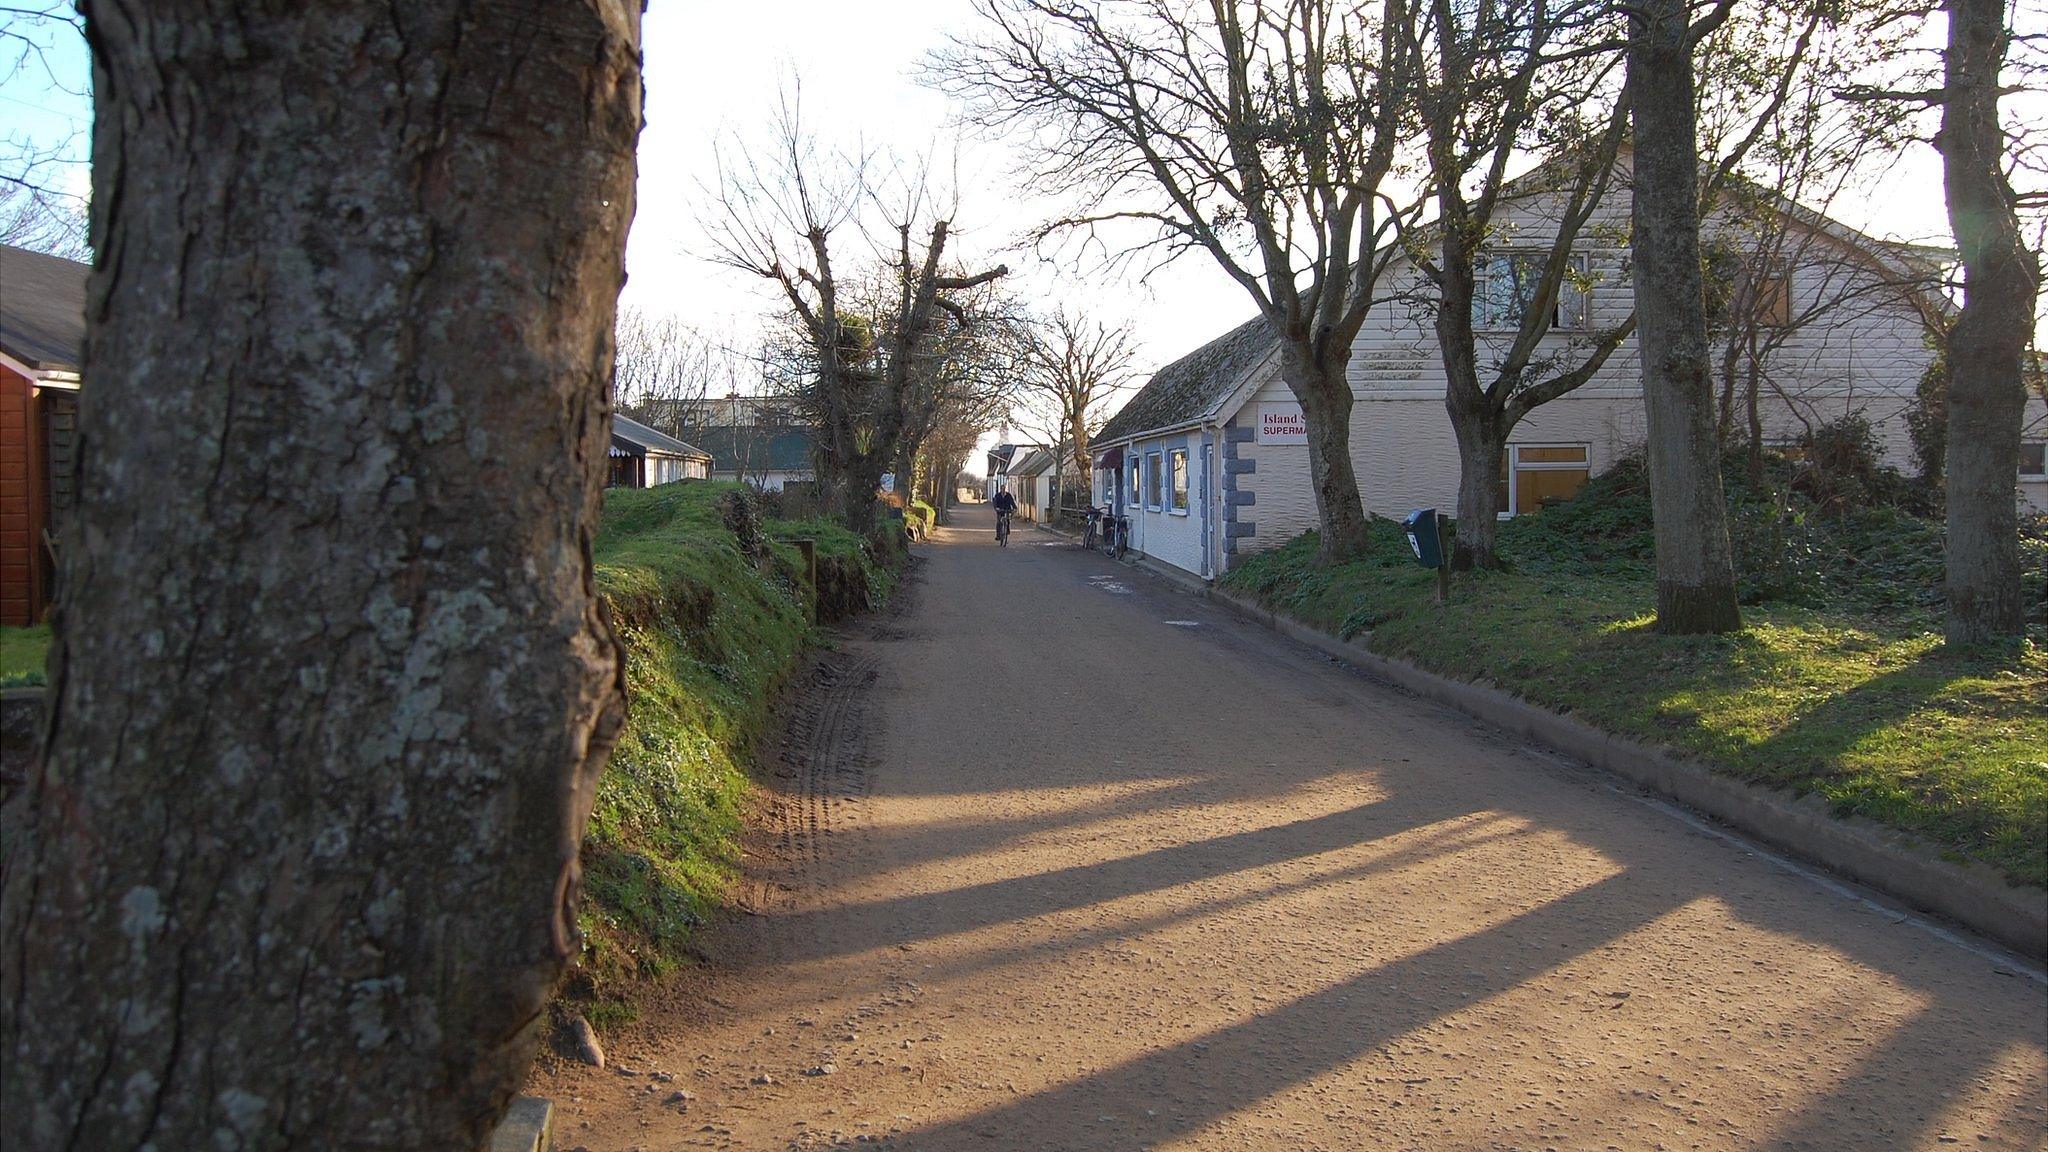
[(42, 329), (643, 457), (1030, 479)]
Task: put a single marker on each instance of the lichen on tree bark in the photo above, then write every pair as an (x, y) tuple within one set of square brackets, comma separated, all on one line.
[(1695, 564), (331, 687)]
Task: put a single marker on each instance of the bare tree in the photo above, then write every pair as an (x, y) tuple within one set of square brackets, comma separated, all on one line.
[(1695, 563), (956, 426), (1779, 272), (1489, 82), (778, 212), (331, 688), (37, 211), (1261, 132), (665, 369), (967, 372), (1073, 367)]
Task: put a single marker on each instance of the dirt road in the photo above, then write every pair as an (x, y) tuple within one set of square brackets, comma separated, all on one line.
[(1063, 859)]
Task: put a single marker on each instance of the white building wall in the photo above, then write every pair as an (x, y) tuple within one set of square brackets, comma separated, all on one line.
[(664, 469), (770, 481), (1864, 357), (1162, 534)]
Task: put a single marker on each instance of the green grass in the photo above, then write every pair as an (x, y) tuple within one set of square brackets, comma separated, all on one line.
[(21, 655), (1839, 687), (710, 631)]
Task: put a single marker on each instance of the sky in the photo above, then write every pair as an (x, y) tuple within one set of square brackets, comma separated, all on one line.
[(715, 69)]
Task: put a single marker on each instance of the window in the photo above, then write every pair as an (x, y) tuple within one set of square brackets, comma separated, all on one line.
[(2034, 458), (1770, 298), (1533, 475), (1177, 469), (1137, 472), (1152, 481), (1506, 283)]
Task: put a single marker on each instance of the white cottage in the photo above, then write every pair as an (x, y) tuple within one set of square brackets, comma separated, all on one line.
[(1210, 459), (643, 457), (1029, 478)]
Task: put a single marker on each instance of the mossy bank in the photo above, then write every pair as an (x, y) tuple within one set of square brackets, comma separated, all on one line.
[(714, 603)]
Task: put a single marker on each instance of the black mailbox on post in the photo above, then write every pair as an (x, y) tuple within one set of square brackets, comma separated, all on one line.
[(1423, 537)]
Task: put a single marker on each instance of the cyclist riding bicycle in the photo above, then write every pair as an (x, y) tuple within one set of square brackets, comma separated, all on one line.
[(1006, 507)]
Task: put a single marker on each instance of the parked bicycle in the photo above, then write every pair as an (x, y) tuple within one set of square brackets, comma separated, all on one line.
[(1107, 532)]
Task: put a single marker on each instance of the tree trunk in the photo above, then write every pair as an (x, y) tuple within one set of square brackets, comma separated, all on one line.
[(1753, 457), (332, 686), (1695, 568), (1986, 395), (829, 465), (1077, 431), (1325, 396), (857, 495), (1482, 437), (1476, 421)]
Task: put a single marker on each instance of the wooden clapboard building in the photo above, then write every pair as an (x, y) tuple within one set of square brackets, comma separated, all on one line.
[(42, 328)]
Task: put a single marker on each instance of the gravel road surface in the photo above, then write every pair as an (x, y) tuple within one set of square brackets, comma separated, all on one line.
[(1056, 857)]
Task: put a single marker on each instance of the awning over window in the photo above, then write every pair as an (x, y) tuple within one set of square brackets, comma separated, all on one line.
[(1114, 458)]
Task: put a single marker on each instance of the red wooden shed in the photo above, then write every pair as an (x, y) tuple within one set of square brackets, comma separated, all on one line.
[(42, 328)]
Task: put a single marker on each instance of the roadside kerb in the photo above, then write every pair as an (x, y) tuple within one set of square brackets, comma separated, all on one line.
[(528, 1126), (1893, 862)]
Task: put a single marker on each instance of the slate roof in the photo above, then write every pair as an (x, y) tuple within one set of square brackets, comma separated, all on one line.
[(631, 434), (1194, 385), (757, 448), (1033, 462), (42, 309)]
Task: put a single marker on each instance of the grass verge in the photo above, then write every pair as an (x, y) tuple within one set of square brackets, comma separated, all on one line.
[(21, 655), (1843, 689), (713, 605)]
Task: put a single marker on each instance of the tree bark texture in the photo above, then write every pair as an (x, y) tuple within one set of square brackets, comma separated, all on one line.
[(1482, 436), (332, 687), (1324, 392), (1695, 566), (1986, 394), (1475, 419)]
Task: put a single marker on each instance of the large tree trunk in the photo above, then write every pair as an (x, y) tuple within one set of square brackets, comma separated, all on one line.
[(858, 493), (1482, 436), (331, 688), (1476, 421), (1325, 396), (1695, 568), (1986, 395)]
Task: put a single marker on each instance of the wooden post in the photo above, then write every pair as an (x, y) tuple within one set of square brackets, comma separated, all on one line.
[(1443, 564), (809, 548)]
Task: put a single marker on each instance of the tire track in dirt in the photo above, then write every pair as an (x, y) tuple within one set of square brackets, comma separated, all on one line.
[(822, 767), (824, 762)]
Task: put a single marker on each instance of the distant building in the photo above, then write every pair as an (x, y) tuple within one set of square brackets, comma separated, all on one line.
[(1029, 478), (643, 457), (731, 411), (766, 456), (1001, 459), (42, 328)]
